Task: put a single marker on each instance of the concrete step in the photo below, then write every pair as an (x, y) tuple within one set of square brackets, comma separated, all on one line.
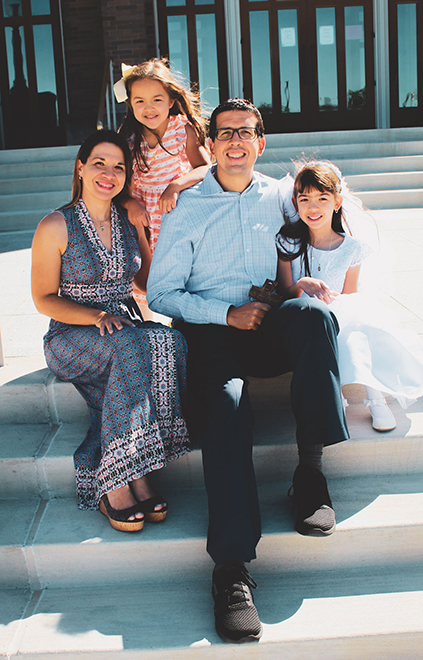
[(54, 544), (372, 136), (348, 166), (349, 615), (29, 169), (28, 220), (40, 435), (35, 200), (36, 459), (333, 151), (386, 181), (38, 155), (391, 199), (36, 184)]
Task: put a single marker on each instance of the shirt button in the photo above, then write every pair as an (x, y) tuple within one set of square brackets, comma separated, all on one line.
[(248, 249)]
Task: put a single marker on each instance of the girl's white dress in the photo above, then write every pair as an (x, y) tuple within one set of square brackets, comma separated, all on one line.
[(373, 351)]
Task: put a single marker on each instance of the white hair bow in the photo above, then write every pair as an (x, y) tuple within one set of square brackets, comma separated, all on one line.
[(119, 87)]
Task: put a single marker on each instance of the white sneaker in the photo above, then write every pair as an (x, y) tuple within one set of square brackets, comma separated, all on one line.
[(382, 417)]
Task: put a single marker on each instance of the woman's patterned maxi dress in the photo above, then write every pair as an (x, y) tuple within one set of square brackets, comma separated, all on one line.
[(132, 380)]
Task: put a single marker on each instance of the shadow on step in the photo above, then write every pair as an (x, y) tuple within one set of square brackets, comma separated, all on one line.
[(174, 614)]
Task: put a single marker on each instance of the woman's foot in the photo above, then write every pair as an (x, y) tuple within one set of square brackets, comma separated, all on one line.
[(121, 499), (122, 510), (151, 503)]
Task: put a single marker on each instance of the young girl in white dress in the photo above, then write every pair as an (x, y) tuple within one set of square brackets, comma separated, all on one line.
[(320, 258)]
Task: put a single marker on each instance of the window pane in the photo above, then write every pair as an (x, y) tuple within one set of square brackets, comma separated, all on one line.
[(46, 79), (40, 7), (204, 2), (16, 57), (178, 45), (326, 58), (260, 60), (175, 3), (12, 8), (207, 60), (407, 56), (355, 70), (289, 62)]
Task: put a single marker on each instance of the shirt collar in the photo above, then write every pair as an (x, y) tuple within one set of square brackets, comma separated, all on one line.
[(210, 186)]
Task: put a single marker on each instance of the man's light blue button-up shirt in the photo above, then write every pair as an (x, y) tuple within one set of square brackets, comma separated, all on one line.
[(213, 247)]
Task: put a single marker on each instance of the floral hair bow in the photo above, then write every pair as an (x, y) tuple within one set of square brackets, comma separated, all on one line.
[(119, 87)]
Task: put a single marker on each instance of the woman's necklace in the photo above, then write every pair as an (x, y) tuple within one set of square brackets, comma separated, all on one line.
[(101, 222)]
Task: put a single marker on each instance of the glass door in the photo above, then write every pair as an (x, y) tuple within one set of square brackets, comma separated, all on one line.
[(192, 36), (308, 65), (32, 87), (406, 62)]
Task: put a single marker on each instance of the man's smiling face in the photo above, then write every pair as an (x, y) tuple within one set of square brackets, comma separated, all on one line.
[(236, 157)]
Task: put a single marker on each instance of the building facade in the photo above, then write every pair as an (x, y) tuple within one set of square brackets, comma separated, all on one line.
[(307, 64)]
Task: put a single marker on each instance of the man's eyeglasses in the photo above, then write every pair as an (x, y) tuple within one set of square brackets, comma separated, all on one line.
[(244, 133)]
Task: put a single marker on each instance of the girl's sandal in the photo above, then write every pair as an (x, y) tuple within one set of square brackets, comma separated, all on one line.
[(118, 518), (147, 508)]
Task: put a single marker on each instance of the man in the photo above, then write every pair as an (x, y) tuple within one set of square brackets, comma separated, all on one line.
[(217, 243)]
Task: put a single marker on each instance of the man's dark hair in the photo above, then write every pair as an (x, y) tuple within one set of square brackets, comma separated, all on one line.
[(236, 104)]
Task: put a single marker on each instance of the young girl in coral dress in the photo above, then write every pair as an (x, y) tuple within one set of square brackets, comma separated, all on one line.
[(166, 134)]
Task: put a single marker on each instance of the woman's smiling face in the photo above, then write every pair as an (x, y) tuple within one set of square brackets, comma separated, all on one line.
[(103, 175)]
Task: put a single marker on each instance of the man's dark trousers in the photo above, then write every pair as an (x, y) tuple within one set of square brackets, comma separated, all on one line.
[(300, 337)]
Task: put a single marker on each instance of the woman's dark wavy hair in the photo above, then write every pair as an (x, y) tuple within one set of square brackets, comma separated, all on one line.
[(317, 176), (186, 102), (84, 153)]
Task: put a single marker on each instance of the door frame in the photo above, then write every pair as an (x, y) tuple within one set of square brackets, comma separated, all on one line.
[(311, 117), (191, 10), (402, 116)]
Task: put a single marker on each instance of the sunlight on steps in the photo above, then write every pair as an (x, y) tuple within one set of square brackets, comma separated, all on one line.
[(315, 619), (392, 510), (351, 616)]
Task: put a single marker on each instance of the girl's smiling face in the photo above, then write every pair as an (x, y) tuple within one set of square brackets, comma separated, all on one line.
[(316, 208), (103, 175), (150, 104)]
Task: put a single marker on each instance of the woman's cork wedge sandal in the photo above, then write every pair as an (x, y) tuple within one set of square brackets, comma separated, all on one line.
[(118, 518), (147, 508)]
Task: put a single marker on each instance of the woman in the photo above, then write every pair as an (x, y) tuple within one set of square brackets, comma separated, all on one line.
[(86, 257)]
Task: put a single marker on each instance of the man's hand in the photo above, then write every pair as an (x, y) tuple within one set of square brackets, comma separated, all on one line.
[(248, 316)]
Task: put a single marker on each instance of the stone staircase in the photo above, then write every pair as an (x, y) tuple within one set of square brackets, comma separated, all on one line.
[(33, 182), (72, 587), (385, 166)]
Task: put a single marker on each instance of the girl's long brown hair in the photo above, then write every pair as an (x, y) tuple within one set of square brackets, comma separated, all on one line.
[(186, 102)]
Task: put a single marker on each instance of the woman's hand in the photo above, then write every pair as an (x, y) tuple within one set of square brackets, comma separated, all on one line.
[(317, 288), (106, 322), (169, 197)]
